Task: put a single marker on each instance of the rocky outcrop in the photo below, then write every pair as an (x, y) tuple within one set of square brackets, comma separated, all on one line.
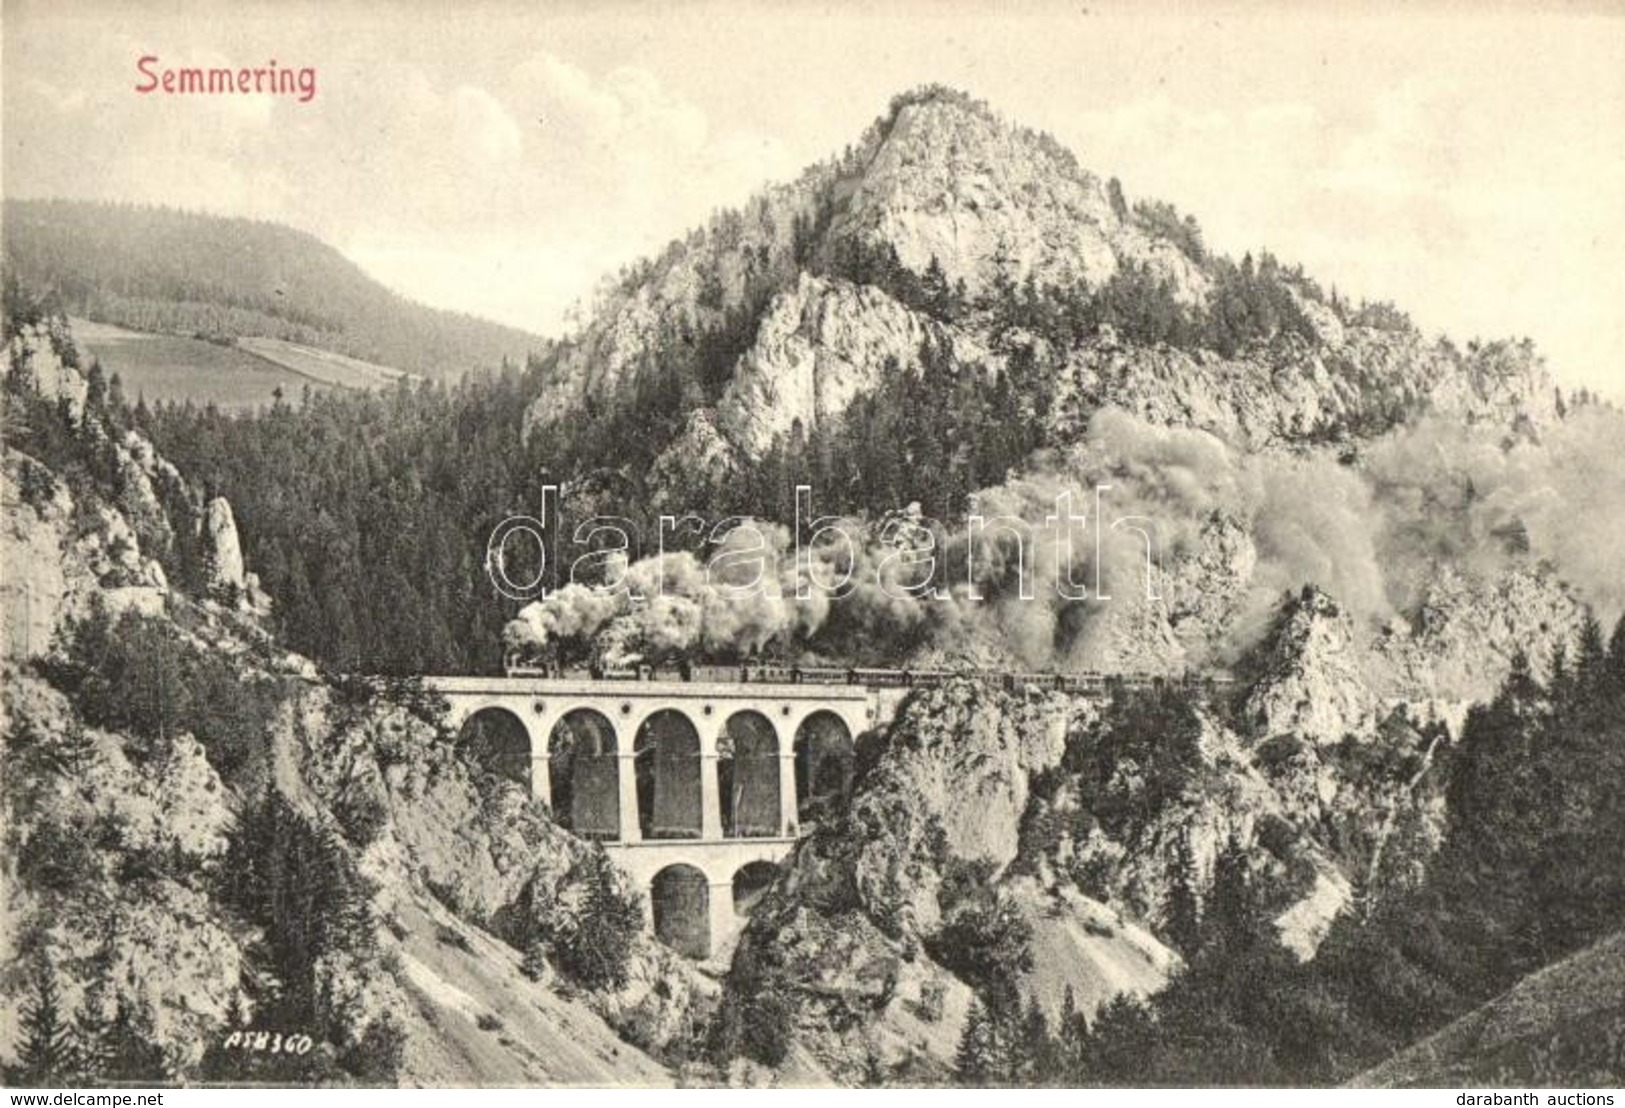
[(821, 345), (933, 837), (953, 182), (1459, 643), (116, 867), (1309, 682), (943, 187), (482, 848), (104, 872), (1292, 393), (63, 554), (940, 178), (122, 534), (225, 553)]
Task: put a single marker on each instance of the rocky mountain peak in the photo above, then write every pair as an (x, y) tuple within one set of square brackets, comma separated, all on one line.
[(946, 222), (987, 200)]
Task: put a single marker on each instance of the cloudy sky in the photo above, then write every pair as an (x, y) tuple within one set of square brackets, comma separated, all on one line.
[(500, 156)]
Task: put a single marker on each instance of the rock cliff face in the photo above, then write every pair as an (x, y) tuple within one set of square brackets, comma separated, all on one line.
[(942, 189), (65, 548), (1311, 685), (121, 846), (1324, 765), (819, 346), (951, 181), (1355, 382), (860, 930)]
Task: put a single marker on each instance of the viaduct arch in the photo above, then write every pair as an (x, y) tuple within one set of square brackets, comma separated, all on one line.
[(696, 789)]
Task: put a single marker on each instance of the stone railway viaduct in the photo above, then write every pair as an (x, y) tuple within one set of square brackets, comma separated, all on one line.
[(697, 789)]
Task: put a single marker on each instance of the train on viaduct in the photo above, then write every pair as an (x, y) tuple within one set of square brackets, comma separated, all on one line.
[(697, 780)]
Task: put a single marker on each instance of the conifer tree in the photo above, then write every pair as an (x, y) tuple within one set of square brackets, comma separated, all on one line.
[(125, 1053), (1033, 1047), (1181, 914), (49, 1053), (596, 950), (976, 1062), (534, 965), (1072, 1035), (1232, 910), (1616, 657), (1591, 657)]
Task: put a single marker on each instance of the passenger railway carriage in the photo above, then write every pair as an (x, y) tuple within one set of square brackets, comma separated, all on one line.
[(751, 673)]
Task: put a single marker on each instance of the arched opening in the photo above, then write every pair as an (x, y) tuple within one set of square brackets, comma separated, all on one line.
[(668, 768), (750, 882), (823, 766), (496, 739), (586, 775), (748, 776), (681, 898)]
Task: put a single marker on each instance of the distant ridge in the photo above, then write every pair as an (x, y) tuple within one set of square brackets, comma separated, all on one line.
[(173, 272)]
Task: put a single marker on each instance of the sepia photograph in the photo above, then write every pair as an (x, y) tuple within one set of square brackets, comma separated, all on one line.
[(555, 545)]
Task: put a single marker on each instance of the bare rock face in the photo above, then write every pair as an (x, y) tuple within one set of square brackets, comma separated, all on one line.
[(1460, 643), (67, 549), (953, 182), (165, 948), (226, 573), (821, 345), (1359, 380), (1311, 685), (60, 555), (482, 848), (46, 353), (844, 927), (700, 452), (964, 773), (37, 584), (664, 306), (943, 179), (942, 187), (1205, 588)]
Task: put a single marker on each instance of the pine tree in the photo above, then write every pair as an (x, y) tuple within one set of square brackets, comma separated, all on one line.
[(1558, 679), (1616, 657), (1232, 910), (1035, 1061), (1073, 1039), (49, 1053), (1114, 192), (934, 290), (976, 1062), (1182, 915), (596, 950), (1591, 657), (128, 1055), (534, 965)]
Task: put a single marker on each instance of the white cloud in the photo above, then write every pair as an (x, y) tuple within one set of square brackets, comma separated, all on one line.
[(1470, 168)]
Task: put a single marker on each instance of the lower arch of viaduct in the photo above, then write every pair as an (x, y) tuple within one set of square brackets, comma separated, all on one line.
[(693, 788)]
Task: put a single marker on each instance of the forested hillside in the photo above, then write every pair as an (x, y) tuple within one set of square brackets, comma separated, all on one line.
[(829, 335), (174, 272), (1307, 875), (1530, 870), (368, 514), (220, 868)]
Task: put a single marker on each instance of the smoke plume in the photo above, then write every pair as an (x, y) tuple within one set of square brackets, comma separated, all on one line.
[(1125, 535)]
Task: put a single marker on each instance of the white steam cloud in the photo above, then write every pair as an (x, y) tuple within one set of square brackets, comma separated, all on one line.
[(1034, 583)]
